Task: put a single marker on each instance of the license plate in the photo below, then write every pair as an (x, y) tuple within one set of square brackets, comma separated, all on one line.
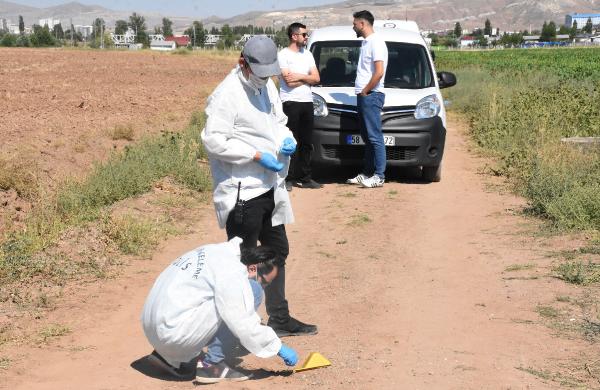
[(388, 140)]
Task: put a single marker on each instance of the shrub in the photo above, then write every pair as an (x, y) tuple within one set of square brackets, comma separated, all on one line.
[(518, 113), (8, 40)]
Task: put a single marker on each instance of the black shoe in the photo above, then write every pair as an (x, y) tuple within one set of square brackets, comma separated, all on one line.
[(183, 371), (292, 327), (219, 372), (308, 184), (288, 185)]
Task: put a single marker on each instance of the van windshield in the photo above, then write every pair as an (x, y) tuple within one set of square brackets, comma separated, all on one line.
[(408, 64)]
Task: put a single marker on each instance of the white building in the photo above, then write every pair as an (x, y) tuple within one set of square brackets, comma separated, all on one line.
[(581, 19), (85, 31), (14, 29), (50, 22), (163, 45)]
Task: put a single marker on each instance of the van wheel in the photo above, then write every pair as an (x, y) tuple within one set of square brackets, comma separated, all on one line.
[(432, 174)]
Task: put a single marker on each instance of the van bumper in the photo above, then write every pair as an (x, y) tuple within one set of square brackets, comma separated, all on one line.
[(417, 142)]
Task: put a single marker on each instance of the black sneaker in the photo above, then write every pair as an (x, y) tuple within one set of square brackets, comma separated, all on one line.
[(308, 184), (292, 328), (219, 372), (288, 185)]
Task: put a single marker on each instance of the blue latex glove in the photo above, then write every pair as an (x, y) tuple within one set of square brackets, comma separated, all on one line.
[(289, 146), (289, 356), (269, 161)]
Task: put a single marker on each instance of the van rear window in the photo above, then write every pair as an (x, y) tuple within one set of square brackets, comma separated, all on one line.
[(408, 64)]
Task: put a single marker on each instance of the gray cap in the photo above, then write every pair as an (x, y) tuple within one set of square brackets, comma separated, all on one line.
[(260, 53)]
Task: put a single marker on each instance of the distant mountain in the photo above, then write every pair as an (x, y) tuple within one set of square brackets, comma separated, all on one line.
[(429, 14)]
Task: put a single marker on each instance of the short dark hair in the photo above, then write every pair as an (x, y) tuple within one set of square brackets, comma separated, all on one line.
[(365, 15), (257, 255), (293, 29)]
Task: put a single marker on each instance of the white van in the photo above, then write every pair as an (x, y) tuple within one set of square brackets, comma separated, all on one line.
[(414, 118)]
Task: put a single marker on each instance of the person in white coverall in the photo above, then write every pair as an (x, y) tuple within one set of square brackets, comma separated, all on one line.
[(208, 294), (249, 148)]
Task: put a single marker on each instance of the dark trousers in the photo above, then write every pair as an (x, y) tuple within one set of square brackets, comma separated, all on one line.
[(301, 123), (256, 226)]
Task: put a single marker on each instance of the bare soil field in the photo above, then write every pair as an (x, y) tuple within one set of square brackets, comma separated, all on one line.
[(413, 285), (60, 107)]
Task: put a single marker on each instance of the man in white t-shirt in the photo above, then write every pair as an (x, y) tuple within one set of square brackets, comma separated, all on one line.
[(298, 73), (208, 297), (370, 98)]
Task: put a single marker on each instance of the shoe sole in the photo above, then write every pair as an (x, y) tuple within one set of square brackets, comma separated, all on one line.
[(285, 333), (207, 381)]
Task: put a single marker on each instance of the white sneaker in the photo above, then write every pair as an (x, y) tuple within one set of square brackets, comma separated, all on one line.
[(372, 182), (357, 180)]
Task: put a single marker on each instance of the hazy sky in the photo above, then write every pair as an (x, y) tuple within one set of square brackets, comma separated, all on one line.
[(203, 8)]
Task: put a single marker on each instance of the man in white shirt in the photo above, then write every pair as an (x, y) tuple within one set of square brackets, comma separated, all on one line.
[(298, 73), (370, 98), (211, 293), (249, 147)]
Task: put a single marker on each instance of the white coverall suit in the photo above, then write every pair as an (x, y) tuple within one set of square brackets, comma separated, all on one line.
[(194, 295)]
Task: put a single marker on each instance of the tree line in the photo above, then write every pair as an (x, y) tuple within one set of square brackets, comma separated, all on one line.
[(548, 33), (44, 36)]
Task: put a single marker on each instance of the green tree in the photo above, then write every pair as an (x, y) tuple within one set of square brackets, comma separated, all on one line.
[(196, 33), (167, 27), (58, 32), (487, 29), (21, 25), (121, 27), (457, 30), (435, 39), (214, 31), (573, 32), (548, 32), (138, 25), (588, 26), (227, 36), (97, 28), (42, 37), (481, 41)]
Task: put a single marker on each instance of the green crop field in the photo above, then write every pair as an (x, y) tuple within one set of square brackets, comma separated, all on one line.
[(566, 63), (519, 104)]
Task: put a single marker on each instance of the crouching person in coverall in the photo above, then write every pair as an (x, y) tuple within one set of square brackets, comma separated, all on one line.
[(249, 147), (207, 298)]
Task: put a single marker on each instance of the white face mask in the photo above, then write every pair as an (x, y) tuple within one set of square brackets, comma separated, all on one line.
[(257, 82)]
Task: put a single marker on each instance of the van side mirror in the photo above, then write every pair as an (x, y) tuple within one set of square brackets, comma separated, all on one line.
[(446, 79)]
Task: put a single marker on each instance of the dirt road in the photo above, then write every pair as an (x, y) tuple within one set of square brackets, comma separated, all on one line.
[(407, 283)]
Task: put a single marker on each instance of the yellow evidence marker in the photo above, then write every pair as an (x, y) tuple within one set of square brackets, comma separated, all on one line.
[(314, 360)]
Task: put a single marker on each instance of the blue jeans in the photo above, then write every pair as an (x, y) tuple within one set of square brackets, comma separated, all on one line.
[(224, 341), (369, 111)]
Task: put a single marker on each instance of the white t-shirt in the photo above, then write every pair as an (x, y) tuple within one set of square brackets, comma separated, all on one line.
[(373, 49), (301, 62)]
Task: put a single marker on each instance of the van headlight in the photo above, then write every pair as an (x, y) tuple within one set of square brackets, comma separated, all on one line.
[(319, 106), (428, 107)]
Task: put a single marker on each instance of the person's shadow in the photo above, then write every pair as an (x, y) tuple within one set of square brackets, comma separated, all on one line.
[(152, 367)]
